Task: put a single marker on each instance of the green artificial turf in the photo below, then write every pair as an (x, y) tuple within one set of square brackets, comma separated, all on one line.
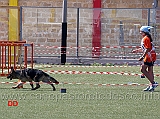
[(85, 100)]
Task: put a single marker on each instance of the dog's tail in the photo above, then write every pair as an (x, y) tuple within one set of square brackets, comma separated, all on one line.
[(51, 78)]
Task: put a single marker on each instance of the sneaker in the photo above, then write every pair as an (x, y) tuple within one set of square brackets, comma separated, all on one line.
[(153, 86), (146, 89)]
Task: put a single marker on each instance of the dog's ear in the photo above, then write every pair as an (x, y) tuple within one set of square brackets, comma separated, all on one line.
[(12, 69)]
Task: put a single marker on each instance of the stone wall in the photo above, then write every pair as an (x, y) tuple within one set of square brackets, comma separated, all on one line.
[(43, 25), (127, 3), (88, 3), (57, 3)]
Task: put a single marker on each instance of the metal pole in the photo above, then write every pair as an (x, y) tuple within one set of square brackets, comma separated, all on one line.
[(32, 56), (77, 32), (154, 6), (25, 56), (148, 17), (64, 13), (155, 3), (121, 34), (64, 33)]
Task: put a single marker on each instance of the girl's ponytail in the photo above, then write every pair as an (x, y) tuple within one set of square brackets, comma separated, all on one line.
[(149, 36)]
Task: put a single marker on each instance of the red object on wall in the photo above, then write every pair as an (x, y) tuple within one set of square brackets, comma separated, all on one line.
[(96, 36)]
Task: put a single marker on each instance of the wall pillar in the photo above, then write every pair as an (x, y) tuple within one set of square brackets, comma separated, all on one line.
[(13, 21), (96, 39)]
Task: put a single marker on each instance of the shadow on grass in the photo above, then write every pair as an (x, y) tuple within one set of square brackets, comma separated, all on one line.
[(29, 89), (38, 90)]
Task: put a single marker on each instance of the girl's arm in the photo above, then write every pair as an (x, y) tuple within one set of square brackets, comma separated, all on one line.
[(144, 54), (137, 50)]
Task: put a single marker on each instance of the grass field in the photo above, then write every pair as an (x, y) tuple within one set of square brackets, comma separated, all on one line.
[(84, 101)]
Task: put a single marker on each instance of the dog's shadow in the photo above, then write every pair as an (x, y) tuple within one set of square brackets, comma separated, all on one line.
[(29, 89), (6, 88), (156, 91), (38, 90)]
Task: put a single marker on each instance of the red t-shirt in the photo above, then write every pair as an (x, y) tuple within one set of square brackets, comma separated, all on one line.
[(151, 55)]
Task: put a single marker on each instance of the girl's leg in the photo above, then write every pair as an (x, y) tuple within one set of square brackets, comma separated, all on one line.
[(154, 84), (149, 73)]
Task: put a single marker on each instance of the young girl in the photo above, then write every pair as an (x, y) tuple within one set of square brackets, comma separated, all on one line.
[(148, 57)]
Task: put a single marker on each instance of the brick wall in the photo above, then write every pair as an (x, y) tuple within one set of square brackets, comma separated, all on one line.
[(88, 3), (57, 3), (127, 3), (38, 27)]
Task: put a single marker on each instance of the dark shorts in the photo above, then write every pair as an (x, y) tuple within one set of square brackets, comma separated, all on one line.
[(149, 63)]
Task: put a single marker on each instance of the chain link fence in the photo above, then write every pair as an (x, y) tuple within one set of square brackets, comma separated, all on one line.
[(119, 31)]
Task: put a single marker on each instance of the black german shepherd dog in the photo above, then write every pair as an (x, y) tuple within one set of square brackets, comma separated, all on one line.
[(30, 75)]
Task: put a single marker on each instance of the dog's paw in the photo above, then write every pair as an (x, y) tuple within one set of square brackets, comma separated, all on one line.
[(14, 87), (35, 88)]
